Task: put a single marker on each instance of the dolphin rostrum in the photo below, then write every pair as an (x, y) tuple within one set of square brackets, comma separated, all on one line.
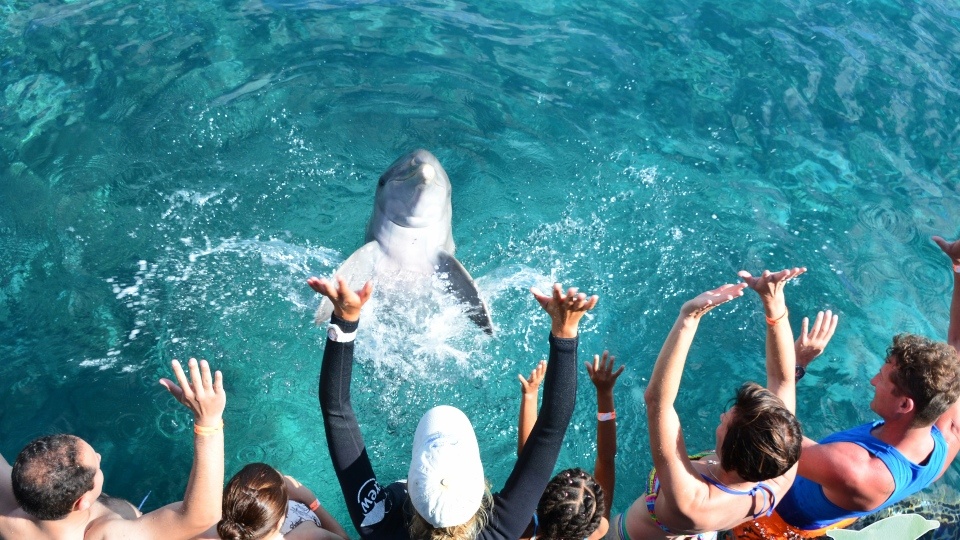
[(410, 230)]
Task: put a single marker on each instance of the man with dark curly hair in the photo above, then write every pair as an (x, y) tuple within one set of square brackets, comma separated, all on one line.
[(862, 470)]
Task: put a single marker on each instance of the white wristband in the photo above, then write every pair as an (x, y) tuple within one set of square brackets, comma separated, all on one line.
[(335, 333), (956, 268)]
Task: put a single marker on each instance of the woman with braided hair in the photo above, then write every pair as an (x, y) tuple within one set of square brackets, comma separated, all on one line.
[(576, 505)]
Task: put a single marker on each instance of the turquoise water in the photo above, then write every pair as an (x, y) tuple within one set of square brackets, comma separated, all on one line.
[(173, 171)]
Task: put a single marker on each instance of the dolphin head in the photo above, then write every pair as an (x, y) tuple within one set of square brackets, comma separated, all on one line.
[(414, 191)]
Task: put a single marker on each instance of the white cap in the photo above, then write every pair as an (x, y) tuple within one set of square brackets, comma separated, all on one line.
[(445, 482)]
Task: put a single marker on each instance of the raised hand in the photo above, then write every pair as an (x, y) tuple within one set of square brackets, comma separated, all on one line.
[(704, 302), (951, 249), (770, 284), (565, 309), (812, 344), (346, 302), (531, 384), (203, 394), (601, 372)]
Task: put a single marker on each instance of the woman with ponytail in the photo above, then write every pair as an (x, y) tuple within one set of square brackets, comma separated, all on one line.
[(259, 503)]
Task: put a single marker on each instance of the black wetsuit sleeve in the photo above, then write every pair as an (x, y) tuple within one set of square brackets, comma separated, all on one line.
[(376, 512), (517, 501)]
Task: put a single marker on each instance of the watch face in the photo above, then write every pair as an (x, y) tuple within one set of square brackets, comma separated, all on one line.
[(333, 332)]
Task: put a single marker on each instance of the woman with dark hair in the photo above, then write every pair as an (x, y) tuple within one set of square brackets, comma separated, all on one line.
[(757, 442), (259, 503)]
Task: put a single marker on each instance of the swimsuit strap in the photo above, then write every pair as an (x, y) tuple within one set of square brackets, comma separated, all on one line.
[(760, 487), (536, 525)]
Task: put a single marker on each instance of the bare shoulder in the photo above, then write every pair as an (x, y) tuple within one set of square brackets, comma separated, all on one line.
[(850, 476), (112, 517), (949, 425)]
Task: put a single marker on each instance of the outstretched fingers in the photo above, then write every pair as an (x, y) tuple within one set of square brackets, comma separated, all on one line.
[(705, 301), (536, 377), (813, 341)]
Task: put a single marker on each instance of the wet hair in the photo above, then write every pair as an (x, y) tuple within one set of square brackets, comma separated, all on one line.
[(254, 503), (48, 477), (420, 529), (926, 371), (571, 506), (764, 438)]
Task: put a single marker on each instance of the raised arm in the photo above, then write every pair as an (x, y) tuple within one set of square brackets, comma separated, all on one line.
[(363, 495), (667, 447), (200, 509), (605, 469), (952, 250), (518, 499), (529, 389), (781, 357), (949, 422)]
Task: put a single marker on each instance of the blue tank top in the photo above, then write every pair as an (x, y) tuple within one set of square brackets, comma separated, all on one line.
[(805, 506)]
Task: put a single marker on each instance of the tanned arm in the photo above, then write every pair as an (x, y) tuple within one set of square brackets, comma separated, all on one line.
[(200, 509), (949, 422), (605, 468), (529, 388), (781, 356), (680, 482)]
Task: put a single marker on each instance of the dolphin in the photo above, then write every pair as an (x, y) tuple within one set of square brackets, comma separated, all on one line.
[(410, 231)]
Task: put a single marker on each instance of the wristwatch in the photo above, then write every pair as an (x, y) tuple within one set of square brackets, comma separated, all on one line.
[(799, 372), (335, 333)]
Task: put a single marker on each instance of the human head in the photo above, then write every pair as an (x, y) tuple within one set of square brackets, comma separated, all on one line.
[(926, 371), (445, 481), (763, 438), (254, 503), (55, 475), (571, 506)]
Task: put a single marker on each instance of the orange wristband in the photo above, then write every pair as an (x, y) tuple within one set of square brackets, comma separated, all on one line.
[(605, 416), (314, 505), (772, 322), (204, 430)]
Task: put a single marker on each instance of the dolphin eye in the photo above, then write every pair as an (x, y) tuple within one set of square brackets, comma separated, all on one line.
[(383, 180)]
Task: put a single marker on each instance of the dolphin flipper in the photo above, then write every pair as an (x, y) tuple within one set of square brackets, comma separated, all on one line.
[(357, 270), (462, 286)]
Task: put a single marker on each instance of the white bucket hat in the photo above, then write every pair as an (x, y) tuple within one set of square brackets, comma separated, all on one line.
[(445, 482)]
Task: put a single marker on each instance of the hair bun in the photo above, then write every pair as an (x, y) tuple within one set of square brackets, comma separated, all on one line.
[(230, 530)]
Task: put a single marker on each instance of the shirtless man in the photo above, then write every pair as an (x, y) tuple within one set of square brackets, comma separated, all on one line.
[(848, 474), (53, 491)]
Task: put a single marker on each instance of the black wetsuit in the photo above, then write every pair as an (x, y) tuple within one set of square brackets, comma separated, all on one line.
[(383, 513)]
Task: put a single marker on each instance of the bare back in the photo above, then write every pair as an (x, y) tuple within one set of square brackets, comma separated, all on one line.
[(17, 524), (713, 510)]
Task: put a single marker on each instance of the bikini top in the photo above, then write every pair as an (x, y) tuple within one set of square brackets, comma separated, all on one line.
[(762, 488)]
